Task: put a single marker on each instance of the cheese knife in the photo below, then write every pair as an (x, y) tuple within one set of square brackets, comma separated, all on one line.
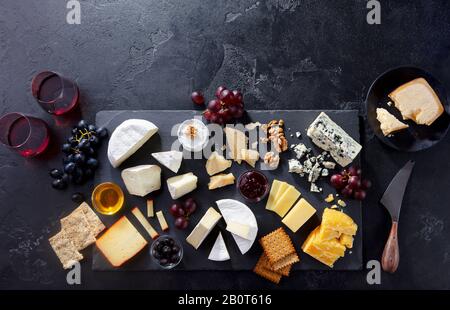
[(392, 201)]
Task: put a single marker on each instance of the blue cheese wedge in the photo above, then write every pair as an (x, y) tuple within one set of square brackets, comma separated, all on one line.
[(329, 136)]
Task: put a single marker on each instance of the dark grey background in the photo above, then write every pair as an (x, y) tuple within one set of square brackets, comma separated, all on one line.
[(283, 54)]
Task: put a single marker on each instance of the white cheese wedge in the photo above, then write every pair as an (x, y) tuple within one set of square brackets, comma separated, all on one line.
[(181, 184), (235, 211), (142, 180), (203, 228), (219, 252), (236, 141), (388, 122), (239, 229), (327, 135), (127, 138), (170, 159), (217, 163), (417, 100)]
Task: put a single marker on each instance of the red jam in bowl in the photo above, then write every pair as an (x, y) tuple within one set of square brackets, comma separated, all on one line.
[(253, 185)]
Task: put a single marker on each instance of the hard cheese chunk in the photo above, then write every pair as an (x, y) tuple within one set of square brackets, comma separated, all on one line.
[(162, 221), (239, 229), (286, 201), (170, 159), (278, 188), (141, 218), (217, 163), (388, 122), (121, 242), (250, 156), (142, 180), (346, 240), (327, 135), (335, 223), (127, 138), (181, 184), (300, 213), (236, 141), (220, 180), (417, 100), (203, 228), (310, 247)]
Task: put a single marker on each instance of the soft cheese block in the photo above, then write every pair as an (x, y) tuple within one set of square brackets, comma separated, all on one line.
[(300, 213), (203, 228), (121, 242), (217, 163), (169, 159), (417, 100), (219, 252), (127, 138), (181, 184), (388, 122), (329, 136), (142, 180)]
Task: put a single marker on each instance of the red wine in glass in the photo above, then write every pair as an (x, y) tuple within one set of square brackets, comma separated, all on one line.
[(55, 94), (27, 135)]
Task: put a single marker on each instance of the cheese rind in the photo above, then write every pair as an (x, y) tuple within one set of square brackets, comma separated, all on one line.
[(170, 159), (203, 228), (181, 184), (141, 218), (388, 122), (217, 163), (127, 138), (418, 101), (239, 229), (121, 242), (329, 136), (142, 180), (299, 215), (285, 202), (220, 180)]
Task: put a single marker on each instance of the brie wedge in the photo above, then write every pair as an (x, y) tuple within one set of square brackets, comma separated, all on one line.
[(219, 252), (181, 184), (127, 138), (217, 163), (203, 228), (170, 159), (142, 180), (235, 211)]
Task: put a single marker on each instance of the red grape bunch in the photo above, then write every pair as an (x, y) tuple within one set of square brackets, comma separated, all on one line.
[(227, 105), (350, 183), (182, 211)]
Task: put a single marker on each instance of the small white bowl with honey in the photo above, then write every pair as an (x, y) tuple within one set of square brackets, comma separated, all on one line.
[(107, 198)]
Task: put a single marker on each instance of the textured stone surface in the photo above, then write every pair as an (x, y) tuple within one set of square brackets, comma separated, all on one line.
[(146, 54)]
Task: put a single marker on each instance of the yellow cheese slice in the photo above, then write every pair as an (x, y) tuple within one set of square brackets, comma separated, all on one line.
[(300, 213), (286, 201), (274, 190)]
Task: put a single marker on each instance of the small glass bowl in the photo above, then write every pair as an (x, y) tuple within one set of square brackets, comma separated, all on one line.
[(176, 242), (265, 180)]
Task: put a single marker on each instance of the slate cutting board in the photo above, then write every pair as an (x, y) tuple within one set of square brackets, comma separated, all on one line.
[(296, 120)]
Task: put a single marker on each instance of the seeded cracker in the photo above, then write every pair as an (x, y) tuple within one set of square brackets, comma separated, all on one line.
[(261, 270), (65, 249), (279, 249), (78, 229), (94, 221)]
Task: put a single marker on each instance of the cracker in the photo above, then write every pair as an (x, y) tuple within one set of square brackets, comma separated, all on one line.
[(65, 249), (279, 249), (282, 271), (94, 221), (261, 270), (78, 229)]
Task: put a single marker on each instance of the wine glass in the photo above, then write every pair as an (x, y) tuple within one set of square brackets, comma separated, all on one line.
[(27, 135), (55, 94)]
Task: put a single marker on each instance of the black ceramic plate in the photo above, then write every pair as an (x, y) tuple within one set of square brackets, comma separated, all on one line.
[(416, 137)]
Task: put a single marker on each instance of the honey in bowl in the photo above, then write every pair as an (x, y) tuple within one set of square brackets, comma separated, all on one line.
[(107, 198)]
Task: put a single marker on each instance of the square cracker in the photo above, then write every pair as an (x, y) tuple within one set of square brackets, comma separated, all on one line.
[(284, 271), (94, 221), (77, 229), (262, 270), (65, 249), (279, 249)]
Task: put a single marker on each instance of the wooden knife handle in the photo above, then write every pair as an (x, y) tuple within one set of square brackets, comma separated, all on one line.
[(391, 252)]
